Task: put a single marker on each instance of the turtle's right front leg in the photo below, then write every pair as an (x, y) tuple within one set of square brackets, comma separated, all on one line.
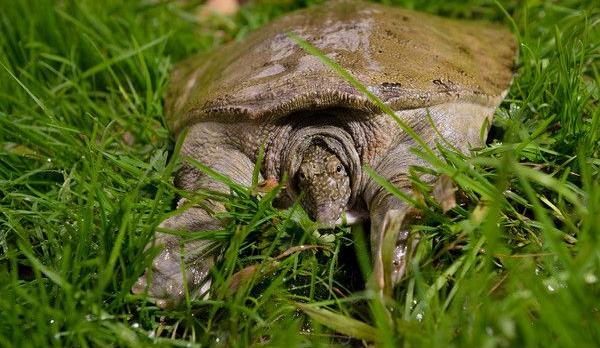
[(165, 282)]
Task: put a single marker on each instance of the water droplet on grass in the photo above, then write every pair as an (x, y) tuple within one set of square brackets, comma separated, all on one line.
[(590, 278)]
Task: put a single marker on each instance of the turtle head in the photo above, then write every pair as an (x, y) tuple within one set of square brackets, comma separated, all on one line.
[(325, 184)]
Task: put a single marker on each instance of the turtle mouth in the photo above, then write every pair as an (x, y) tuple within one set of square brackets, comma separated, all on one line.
[(327, 214)]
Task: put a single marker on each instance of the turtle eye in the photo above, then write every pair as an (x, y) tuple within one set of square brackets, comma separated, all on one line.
[(339, 168), (302, 176)]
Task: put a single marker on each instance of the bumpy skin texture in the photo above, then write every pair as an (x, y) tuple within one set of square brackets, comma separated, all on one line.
[(326, 185), (266, 90)]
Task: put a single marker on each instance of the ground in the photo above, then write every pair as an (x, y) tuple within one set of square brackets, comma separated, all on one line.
[(86, 176)]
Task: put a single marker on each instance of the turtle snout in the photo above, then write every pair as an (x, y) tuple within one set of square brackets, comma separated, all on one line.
[(327, 215)]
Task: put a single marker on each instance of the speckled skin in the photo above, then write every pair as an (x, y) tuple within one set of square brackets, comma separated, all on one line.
[(266, 90), (325, 183)]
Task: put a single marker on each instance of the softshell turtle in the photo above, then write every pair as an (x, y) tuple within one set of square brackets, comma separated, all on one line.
[(320, 130)]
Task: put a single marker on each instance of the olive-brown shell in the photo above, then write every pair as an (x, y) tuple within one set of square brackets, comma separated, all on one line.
[(407, 59)]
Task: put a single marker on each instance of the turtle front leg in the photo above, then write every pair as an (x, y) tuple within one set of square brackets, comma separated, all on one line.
[(180, 265), (391, 242)]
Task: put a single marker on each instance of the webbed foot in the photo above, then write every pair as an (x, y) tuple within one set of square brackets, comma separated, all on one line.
[(190, 261)]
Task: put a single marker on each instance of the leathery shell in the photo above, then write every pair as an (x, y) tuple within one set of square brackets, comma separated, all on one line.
[(408, 59)]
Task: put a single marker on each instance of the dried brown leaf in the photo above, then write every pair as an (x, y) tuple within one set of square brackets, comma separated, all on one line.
[(218, 7), (444, 192)]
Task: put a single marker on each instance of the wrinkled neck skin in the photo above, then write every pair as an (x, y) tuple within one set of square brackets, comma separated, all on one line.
[(308, 151)]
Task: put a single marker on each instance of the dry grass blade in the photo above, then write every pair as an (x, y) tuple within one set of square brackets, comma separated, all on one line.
[(242, 276), (444, 192)]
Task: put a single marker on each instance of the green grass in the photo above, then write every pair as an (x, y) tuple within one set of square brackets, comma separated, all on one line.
[(86, 176)]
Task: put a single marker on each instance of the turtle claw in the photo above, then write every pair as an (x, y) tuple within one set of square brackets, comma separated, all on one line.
[(405, 245), (399, 256), (397, 244)]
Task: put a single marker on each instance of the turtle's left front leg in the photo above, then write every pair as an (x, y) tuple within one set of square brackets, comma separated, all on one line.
[(391, 242)]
